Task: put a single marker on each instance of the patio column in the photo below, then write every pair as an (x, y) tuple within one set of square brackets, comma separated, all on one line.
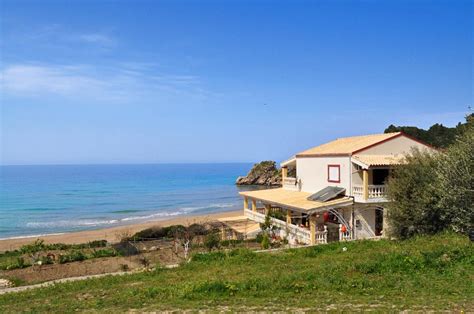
[(385, 225), (288, 216), (284, 174), (312, 229), (246, 203), (254, 205), (365, 177), (268, 207)]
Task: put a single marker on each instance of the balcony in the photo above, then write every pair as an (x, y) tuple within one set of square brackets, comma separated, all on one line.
[(374, 193)]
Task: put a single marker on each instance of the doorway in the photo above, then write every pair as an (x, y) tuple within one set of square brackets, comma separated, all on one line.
[(379, 176)]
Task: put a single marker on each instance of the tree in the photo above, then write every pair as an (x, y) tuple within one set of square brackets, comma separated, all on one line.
[(183, 237), (437, 135), (268, 230), (434, 192), (414, 198), (456, 181)]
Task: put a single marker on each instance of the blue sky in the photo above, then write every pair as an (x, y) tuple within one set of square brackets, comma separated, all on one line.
[(199, 81)]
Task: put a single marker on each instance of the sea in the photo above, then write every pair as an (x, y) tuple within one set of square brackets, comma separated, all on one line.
[(52, 199)]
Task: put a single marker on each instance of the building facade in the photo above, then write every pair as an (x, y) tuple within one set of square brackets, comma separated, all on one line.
[(337, 191)]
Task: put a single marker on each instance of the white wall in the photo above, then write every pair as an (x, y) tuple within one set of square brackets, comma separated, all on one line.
[(398, 145), (313, 172), (367, 223)]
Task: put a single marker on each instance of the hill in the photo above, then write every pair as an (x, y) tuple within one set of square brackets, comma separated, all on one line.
[(437, 135), (424, 273)]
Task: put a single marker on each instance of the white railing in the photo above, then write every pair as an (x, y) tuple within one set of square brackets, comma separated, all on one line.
[(322, 236), (374, 192), (300, 234), (344, 236), (290, 183), (377, 191), (358, 191)]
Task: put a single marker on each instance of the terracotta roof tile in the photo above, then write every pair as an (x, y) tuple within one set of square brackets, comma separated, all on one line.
[(379, 160), (347, 145)]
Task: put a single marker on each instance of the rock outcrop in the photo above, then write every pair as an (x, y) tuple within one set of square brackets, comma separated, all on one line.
[(264, 173)]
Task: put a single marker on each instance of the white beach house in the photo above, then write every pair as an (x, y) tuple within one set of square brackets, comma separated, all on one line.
[(336, 191)]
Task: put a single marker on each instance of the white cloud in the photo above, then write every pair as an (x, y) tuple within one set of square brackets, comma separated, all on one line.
[(119, 83)]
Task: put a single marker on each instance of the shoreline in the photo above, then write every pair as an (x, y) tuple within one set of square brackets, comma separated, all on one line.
[(111, 234)]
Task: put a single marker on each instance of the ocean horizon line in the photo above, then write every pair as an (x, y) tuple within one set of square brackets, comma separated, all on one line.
[(132, 164)]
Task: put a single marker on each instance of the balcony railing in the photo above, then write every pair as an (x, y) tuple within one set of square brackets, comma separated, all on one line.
[(375, 192), (290, 183), (300, 234)]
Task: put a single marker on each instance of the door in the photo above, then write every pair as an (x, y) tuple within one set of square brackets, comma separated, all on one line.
[(379, 176)]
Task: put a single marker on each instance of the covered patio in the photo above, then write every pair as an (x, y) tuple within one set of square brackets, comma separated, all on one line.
[(304, 220)]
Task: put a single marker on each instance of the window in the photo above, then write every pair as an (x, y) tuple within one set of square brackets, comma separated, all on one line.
[(334, 173)]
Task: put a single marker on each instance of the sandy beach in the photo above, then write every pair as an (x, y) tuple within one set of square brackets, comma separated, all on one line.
[(112, 234)]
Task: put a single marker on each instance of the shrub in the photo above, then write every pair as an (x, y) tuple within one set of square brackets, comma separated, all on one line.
[(104, 253), (414, 197), (73, 256), (34, 247), (456, 181), (212, 241), (144, 261), (265, 241), (19, 263), (433, 192), (46, 260), (124, 267), (198, 229), (151, 233)]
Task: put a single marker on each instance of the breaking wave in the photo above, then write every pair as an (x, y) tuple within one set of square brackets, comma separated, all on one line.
[(115, 221)]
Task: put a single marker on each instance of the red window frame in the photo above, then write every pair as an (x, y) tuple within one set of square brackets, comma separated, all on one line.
[(339, 173)]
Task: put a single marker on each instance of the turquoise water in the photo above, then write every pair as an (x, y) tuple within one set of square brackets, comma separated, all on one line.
[(38, 200)]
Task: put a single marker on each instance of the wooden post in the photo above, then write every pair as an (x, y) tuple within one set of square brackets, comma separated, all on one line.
[(288, 216), (246, 203), (365, 176), (284, 174), (312, 229), (268, 207), (254, 205)]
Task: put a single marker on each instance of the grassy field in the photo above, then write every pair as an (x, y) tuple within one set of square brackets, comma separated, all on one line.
[(426, 273)]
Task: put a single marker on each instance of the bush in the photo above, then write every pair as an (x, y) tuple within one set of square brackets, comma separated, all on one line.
[(73, 256), (431, 193), (265, 241), (151, 233), (456, 181), (212, 241), (104, 253), (170, 232), (19, 263), (46, 260), (34, 247), (414, 197), (198, 229)]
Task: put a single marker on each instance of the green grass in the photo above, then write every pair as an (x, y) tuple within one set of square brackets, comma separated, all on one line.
[(426, 273)]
